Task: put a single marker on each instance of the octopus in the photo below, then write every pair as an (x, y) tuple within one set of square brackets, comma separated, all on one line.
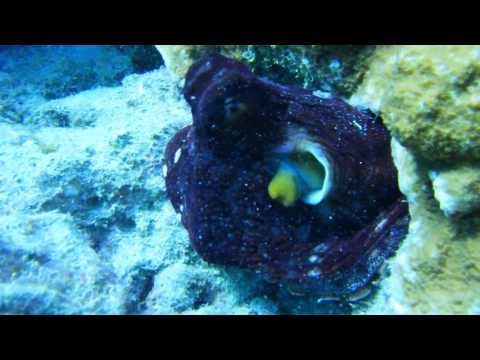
[(294, 185)]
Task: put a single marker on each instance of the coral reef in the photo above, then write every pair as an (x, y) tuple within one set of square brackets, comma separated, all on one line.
[(332, 212), (429, 97), (337, 69)]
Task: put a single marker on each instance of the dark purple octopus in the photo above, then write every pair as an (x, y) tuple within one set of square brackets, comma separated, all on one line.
[(218, 171)]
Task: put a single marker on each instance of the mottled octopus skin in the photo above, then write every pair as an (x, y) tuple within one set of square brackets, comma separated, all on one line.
[(219, 168)]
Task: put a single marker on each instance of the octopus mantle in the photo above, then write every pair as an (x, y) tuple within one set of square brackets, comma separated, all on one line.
[(218, 172)]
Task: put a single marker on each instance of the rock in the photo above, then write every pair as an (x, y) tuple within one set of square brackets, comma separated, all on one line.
[(328, 68), (457, 190), (192, 289), (32, 75), (178, 58), (436, 269), (144, 58), (429, 97), (85, 227), (83, 223), (48, 267)]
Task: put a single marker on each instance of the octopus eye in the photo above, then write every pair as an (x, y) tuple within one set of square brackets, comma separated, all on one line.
[(233, 109), (304, 175)]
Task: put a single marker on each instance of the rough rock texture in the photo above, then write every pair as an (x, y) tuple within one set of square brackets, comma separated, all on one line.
[(336, 69), (36, 74), (85, 227), (436, 270), (143, 57), (81, 195), (179, 58), (62, 70), (457, 190), (429, 98)]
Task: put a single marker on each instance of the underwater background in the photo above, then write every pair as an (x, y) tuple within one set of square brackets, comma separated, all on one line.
[(87, 224)]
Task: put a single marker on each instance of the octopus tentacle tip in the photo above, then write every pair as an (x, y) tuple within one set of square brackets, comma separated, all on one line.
[(298, 188)]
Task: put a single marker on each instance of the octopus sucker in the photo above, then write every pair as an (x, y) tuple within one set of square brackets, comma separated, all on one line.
[(270, 178)]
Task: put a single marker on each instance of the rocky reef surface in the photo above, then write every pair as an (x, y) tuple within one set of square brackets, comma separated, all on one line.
[(338, 69), (85, 226), (429, 97)]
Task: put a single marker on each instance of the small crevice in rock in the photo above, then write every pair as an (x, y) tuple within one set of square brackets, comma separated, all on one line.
[(141, 283)]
